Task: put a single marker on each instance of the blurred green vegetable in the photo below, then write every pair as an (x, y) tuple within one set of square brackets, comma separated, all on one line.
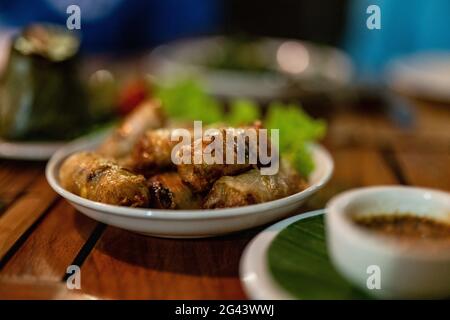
[(186, 100), (243, 111), (297, 129)]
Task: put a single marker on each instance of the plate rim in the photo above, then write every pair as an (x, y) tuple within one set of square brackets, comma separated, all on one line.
[(165, 214), (254, 271)]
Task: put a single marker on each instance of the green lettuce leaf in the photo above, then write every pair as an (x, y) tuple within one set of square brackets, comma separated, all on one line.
[(243, 111), (297, 129), (187, 100)]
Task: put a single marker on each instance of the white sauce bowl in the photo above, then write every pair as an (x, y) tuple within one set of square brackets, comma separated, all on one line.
[(406, 270)]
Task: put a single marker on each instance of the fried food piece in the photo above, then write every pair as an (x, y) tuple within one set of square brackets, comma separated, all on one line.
[(152, 153), (200, 177), (168, 191), (251, 187), (96, 178), (148, 115)]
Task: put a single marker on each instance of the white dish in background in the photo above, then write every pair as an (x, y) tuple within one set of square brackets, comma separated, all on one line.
[(331, 67), (425, 75), (43, 150), (406, 271), (28, 150), (188, 223), (254, 272)]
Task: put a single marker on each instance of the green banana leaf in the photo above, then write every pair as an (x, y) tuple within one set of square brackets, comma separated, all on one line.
[(299, 263)]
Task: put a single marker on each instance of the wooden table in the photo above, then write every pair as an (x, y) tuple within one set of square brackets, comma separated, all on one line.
[(41, 234)]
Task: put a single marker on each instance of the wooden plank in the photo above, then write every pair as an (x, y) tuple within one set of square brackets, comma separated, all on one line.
[(24, 289), (433, 118), (354, 168), (430, 132), (52, 246), (426, 170), (24, 213), (349, 129), (14, 179), (361, 167), (6, 199), (16, 176), (124, 265)]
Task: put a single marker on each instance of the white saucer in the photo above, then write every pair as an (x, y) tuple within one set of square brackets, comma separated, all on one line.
[(254, 273)]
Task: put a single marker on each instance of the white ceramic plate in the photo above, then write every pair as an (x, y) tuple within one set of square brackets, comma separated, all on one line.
[(188, 223), (28, 150), (425, 75), (254, 273), (43, 150), (188, 58)]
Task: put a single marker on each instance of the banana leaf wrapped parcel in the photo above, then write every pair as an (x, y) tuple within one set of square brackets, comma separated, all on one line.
[(41, 97)]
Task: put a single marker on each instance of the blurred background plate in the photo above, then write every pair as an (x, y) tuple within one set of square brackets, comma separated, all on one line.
[(424, 75), (259, 68), (28, 150), (43, 150)]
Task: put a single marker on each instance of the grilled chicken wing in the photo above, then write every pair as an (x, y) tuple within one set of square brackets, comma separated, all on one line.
[(94, 177)]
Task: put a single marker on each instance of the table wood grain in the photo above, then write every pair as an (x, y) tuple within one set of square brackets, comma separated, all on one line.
[(41, 234)]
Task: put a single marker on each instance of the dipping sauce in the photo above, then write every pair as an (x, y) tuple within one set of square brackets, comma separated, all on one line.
[(405, 226)]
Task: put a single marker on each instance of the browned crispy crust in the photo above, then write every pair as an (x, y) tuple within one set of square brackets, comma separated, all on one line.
[(251, 187), (96, 178), (152, 153), (200, 177), (168, 191)]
